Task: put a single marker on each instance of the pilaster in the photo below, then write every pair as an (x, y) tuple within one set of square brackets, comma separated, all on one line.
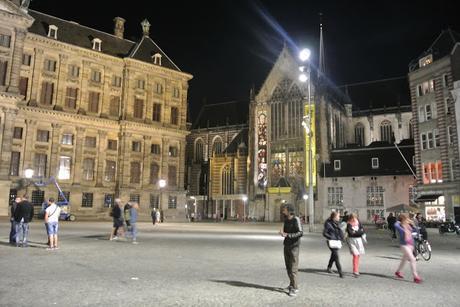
[(79, 145), (16, 61)]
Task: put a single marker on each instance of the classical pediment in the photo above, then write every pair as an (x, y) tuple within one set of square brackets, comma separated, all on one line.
[(8, 8)]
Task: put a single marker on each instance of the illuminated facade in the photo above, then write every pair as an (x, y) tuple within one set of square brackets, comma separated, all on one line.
[(103, 114)]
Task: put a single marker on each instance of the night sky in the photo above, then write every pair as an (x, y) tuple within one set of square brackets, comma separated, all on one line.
[(230, 45)]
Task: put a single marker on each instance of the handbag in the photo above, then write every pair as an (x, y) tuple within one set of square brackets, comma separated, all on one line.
[(334, 244)]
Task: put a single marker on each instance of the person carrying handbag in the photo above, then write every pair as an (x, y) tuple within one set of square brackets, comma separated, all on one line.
[(356, 239), (334, 236)]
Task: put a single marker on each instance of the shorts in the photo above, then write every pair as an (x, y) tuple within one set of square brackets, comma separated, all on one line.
[(52, 228)]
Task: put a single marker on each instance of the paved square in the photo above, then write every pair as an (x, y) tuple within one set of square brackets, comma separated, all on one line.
[(209, 264)]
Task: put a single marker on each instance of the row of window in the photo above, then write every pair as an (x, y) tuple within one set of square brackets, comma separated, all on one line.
[(89, 169), (430, 139), (374, 196), (432, 172), (90, 141), (217, 147), (386, 133), (374, 164), (428, 87), (87, 199)]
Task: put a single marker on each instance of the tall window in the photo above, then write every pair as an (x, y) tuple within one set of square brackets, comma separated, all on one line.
[(64, 167), (136, 146), (40, 161), (172, 175), (158, 88), (217, 146), (14, 163), (199, 150), (96, 76), (88, 169), (5, 40), (26, 59), (135, 172), (386, 132), (47, 93), (450, 135), (359, 134), (23, 86), (154, 173), (375, 196), (49, 65), (38, 197), (154, 201), (114, 106), (110, 170), (3, 71), (93, 102), (138, 108), (67, 139), (74, 71), (116, 81), (155, 149), (432, 172), (71, 97), (90, 141), (43, 136), (173, 151), (156, 116), (135, 198), (112, 145), (172, 202), (17, 133), (140, 84), (174, 116), (335, 196), (437, 138), (425, 88), (87, 200), (227, 180), (109, 200), (176, 92)]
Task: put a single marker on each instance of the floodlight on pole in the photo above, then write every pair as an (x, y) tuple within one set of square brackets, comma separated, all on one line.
[(245, 198), (304, 54), (28, 173)]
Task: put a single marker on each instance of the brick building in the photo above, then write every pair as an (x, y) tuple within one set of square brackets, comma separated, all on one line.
[(103, 114)]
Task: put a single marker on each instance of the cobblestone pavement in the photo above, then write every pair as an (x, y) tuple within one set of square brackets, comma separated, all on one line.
[(206, 264)]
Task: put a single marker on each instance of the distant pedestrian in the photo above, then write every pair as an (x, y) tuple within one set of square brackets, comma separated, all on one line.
[(345, 217), (406, 242), (158, 217), (13, 208), (334, 236), (292, 232), (153, 214), (391, 220), (355, 232), (133, 214), (23, 214), (127, 216), (117, 220), (52, 214)]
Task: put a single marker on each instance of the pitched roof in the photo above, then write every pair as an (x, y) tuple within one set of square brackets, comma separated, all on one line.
[(73, 33), (357, 162), (441, 47), (378, 95), (222, 114)]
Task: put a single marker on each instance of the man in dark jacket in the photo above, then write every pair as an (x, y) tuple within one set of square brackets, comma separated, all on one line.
[(22, 216), (13, 233), (391, 220), (292, 231)]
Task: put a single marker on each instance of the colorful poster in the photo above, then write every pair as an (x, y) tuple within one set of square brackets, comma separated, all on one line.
[(261, 150), (310, 128)]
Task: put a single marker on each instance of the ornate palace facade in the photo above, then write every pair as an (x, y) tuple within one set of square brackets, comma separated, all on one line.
[(104, 115)]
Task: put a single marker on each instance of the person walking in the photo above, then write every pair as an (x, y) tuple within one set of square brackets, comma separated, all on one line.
[(406, 242), (133, 214), (117, 220), (355, 232), (13, 208), (153, 214), (391, 220), (291, 232), (52, 214), (334, 236), (127, 216), (158, 217), (23, 215)]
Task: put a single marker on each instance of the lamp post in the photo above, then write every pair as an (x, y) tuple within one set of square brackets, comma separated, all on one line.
[(307, 124), (161, 184), (305, 198), (28, 173), (245, 198)]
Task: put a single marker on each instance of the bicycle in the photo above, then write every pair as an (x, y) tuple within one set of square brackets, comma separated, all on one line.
[(421, 247)]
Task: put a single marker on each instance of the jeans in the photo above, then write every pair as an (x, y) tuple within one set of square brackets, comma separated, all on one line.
[(335, 258), (22, 231), (13, 232), (133, 231), (291, 260)]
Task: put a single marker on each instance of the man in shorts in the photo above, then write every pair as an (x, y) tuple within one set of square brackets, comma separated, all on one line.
[(52, 220)]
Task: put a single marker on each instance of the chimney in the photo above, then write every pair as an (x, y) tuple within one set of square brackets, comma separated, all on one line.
[(119, 27)]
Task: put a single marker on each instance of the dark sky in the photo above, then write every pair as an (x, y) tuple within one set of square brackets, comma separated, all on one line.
[(228, 45)]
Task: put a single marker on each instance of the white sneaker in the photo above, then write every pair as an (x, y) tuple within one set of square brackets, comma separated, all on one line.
[(135, 242)]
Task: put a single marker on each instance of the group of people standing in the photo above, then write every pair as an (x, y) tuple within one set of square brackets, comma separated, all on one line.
[(22, 213), (124, 215), (338, 230)]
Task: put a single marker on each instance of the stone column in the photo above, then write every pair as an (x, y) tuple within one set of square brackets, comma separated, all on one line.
[(7, 140), (54, 158), (16, 61), (146, 162), (36, 72), (125, 159), (79, 145), (31, 127), (101, 158)]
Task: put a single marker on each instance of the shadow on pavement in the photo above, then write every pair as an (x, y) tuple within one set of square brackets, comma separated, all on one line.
[(100, 237), (389, 257), (236, 283), (316, 271)]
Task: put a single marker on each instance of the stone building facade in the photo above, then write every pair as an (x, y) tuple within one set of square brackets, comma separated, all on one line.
[(217, 162), (104, 115), (432, 77)]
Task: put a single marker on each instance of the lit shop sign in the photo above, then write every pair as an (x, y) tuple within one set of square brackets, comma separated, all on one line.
[(310, 113)]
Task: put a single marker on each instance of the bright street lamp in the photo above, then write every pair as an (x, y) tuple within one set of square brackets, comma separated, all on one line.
[(161, 184), (304, 56), (245, 198), (28, 173)]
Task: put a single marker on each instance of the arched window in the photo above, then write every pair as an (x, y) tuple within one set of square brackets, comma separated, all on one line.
[(217, 146), (386, 132), (359, 134), (154, 171), (227, 180), (199, 150)]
